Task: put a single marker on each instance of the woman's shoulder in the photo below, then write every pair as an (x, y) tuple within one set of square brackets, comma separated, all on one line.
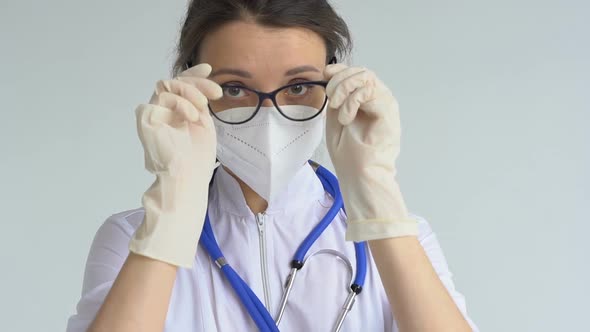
[(123, 224), (424, 228), (131, 218)]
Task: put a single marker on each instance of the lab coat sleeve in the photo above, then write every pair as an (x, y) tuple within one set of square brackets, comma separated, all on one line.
[(107, 255), (434, 252)]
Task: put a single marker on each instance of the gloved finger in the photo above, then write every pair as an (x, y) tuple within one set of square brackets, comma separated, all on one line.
[(201, 70), (161, 149), (182, 109), (341, 76), (349, 109), (154, 134), (184, 90), (207, 87), (349, 85), (206, 120), (332, 70), (141, 116), (151, 114), (333, 128)]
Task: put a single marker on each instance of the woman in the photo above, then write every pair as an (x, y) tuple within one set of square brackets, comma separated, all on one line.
[(258, 102)]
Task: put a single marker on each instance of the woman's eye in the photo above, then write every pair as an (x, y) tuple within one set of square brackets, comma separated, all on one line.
[(298, 90), (234, 92)]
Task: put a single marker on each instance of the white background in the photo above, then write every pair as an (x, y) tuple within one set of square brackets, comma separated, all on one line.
[(495, 112)]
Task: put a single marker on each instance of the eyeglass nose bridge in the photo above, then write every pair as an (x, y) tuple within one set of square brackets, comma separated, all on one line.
[(262, 96)]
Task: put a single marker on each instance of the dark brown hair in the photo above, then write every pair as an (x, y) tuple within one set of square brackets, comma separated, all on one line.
[(203, 16)]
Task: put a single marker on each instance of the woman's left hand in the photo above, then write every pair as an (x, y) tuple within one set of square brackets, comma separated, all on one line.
[(363, 137)]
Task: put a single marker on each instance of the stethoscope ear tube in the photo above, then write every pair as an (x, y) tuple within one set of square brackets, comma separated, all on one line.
[(286, 293), (345, 309)]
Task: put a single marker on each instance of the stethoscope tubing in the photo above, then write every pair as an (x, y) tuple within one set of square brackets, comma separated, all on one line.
[(330, 184), (254, 306)]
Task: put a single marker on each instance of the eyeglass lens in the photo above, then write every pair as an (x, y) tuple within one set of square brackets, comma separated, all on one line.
[(239, 103)]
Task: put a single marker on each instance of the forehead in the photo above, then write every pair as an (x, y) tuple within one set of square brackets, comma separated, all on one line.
[(248, 44)]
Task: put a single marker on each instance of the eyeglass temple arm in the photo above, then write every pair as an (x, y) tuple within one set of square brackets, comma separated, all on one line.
[(332, 61)]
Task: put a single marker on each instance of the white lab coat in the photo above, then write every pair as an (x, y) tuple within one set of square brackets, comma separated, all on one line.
[(260, 249)]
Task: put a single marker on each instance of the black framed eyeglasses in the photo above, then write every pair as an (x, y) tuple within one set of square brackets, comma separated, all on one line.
[(300, 101)]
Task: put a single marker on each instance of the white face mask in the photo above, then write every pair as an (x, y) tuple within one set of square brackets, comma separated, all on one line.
[(267, 151)]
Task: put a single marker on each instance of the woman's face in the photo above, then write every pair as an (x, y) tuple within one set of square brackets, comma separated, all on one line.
[(263, 58)]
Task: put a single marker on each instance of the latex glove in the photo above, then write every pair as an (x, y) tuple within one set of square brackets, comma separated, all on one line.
[(363, 139), (179, 141)]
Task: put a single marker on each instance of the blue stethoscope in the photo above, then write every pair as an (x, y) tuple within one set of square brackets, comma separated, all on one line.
[(256, 309)]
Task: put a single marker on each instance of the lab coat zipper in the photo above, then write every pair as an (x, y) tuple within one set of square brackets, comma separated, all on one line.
[(263, 259)]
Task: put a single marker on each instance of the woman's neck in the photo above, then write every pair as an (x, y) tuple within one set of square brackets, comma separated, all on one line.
[(254, 201)]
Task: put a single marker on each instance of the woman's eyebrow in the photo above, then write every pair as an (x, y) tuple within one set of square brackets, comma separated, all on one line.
[(245, 74), (301, 69), (231, 71)]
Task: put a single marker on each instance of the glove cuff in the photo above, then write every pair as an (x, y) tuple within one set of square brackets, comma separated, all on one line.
[(162, 238), (174, 215), (375, 229)]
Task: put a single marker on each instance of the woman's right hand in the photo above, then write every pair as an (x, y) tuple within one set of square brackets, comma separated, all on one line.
[(175, 128), (179, 141)]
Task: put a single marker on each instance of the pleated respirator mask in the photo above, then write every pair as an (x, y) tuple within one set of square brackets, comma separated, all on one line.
[(267, 151)]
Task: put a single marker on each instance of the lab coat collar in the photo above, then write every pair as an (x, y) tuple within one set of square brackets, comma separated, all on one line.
[(304, 188)]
